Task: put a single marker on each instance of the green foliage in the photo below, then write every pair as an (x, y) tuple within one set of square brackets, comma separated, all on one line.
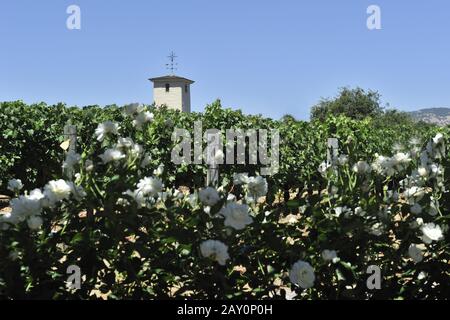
[(30, 138), (353, 103), (394, 117), (131, 251)]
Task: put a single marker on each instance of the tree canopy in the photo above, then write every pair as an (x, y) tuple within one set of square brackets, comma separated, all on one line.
[(354, 103)]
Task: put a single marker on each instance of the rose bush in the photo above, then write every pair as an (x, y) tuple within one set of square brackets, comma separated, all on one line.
[(141, 227), (30, 138)]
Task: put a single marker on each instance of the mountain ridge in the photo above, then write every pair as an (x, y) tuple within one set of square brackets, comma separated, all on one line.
[(439, 116)]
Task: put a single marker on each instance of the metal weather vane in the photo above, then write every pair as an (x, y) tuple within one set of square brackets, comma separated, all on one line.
[(172, 65)]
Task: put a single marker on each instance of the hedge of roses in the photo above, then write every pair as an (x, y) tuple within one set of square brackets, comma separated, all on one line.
[(30, 138), (140, 227)]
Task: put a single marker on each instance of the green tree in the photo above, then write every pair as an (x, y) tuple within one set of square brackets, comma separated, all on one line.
[(353, 103), (288, 118), (393, 117)]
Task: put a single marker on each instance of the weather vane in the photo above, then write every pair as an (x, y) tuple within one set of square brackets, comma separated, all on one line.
[(172, 65)]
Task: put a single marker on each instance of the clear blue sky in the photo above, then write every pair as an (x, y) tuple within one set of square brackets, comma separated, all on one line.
[(268, 57)]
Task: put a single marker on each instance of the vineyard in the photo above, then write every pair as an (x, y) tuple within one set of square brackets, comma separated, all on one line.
[(139, 226)]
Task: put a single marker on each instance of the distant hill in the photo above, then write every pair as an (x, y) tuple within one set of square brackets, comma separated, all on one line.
[(440, 116)]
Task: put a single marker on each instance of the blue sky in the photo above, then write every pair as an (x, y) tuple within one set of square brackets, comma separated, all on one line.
[(268, 57)]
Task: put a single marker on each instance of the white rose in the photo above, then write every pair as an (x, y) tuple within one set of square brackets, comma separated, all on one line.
[(132, 109), (343, 159), (142, 118), (209, 196), (402, 158), (124, 143), (256, 187), (431, 232), (330, 255), (423, 172), (361, 167), (15, 185), (236, 215), (107, 127), (414, 194), (240, 178), (24, 206), (302, 274), (36, 194), (136, 150), (159, 171), (151, 186), (111, 155), (422, 275), (57, 190), (215, 250), (341, 210)]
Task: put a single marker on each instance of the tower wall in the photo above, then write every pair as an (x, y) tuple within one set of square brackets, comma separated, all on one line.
[(177, 97), (173, 99)]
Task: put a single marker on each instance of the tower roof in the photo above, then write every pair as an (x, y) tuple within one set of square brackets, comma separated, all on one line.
[(171, 78)]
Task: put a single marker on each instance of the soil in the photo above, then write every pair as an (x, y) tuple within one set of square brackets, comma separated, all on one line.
[(4, 204)]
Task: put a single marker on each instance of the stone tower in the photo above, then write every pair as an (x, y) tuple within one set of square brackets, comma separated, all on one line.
[(172, 91)]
